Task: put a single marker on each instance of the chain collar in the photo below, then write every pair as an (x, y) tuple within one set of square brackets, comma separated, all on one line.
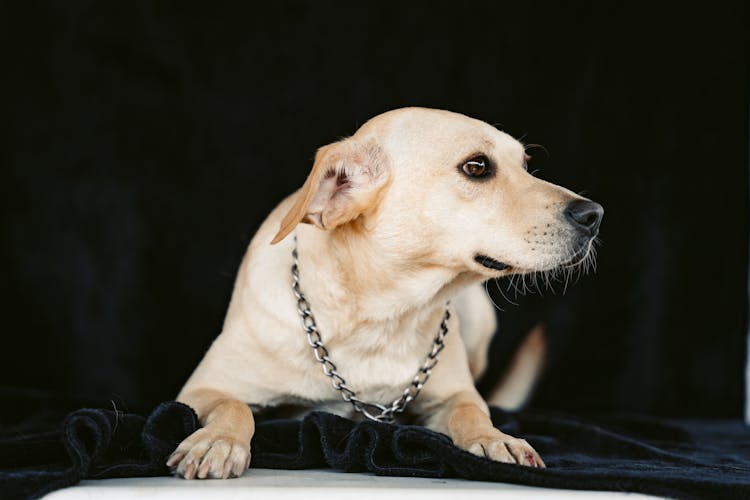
[(373, 411)]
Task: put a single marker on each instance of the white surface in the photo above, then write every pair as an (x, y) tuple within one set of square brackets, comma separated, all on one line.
[(262, 484)]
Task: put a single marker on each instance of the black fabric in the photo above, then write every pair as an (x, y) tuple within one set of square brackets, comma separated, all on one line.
[(682, 459)]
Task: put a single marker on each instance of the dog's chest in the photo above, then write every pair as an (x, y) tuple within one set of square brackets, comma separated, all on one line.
[(376, 364)]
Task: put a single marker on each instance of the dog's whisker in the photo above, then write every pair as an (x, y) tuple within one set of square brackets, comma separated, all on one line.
[(516, 284), (540, 279), (526, 147), (551, 278), (537, 281), (487, 289), (499, 289)]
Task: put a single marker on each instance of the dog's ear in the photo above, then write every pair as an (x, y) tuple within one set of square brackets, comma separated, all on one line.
[(345, 181)]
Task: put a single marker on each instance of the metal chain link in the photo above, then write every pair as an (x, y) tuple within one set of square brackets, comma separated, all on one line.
[(373, 411)]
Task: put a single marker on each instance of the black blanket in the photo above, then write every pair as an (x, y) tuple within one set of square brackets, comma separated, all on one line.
[(683, 459)]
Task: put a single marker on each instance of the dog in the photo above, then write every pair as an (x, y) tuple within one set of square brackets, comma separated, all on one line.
[(369, 271)]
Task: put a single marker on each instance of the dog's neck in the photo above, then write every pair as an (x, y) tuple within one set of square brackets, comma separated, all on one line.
[(354, 275)]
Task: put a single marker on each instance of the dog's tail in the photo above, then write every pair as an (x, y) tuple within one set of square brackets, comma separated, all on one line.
[(515, 387)]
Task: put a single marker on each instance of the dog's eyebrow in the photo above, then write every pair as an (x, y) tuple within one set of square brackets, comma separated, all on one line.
[(486, 145), (482, 146)]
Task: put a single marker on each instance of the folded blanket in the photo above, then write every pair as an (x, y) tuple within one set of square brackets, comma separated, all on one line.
[(683, 459)]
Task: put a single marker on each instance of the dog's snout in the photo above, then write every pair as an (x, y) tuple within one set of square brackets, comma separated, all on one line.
[(585, 216)]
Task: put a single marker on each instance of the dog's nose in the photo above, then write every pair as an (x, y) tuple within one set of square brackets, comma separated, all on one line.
[(585, 216)]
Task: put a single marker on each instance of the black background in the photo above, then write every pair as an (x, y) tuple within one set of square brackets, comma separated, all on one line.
[(144, 142)]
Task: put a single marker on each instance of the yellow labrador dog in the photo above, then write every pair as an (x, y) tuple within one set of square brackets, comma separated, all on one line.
[(369, 271)]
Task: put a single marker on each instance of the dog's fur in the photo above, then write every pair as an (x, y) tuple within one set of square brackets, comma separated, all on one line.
[(392, 229)]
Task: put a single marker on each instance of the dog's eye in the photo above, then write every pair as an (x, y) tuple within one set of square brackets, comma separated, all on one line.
[(476, 167)]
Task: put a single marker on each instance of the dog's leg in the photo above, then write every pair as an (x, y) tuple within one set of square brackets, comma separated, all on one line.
[(450, 404), (221, 448), (465, 418)]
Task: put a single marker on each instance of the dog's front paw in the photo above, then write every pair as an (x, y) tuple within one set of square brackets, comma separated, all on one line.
[(206, 453), (502, 448)]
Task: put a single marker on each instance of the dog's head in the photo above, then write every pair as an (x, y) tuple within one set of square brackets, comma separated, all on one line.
[(441, 189)]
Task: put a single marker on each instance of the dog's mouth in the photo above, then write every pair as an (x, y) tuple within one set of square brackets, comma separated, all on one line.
[(578, 256), (491, 263)]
